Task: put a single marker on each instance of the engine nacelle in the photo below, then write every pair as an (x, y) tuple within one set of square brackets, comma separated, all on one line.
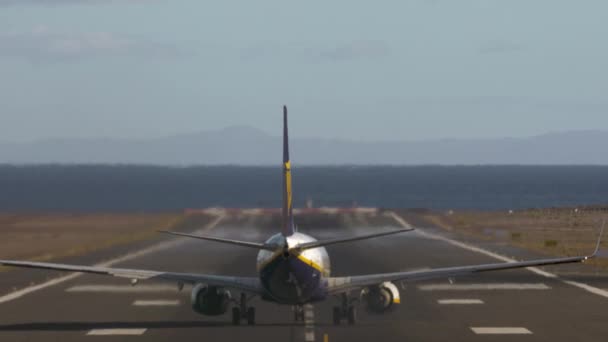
[(210, 300), (381, 298)]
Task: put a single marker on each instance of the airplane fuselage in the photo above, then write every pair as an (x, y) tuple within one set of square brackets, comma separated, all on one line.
[(295, 277)]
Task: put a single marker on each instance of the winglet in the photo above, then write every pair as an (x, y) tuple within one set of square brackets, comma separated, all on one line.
[(599, 241)]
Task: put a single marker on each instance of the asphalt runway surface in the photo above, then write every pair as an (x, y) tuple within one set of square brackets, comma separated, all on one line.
[(503, 306)]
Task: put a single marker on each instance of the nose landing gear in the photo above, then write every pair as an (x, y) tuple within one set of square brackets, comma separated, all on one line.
[(298, 313)]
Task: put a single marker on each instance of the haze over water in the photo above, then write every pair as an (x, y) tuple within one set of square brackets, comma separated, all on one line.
[(150, 188)]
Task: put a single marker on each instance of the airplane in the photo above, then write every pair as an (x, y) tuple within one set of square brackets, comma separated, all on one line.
[(294, 269)]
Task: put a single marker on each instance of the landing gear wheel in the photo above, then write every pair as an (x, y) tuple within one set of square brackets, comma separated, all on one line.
[(351, 315), (236, 316), (337, 316), (251, 316)]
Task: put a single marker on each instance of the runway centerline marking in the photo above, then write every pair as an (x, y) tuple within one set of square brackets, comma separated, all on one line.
[(483, 286), (113, 332), (157, 302), (154, 248), (501, 331), (459, 301), (586, 287), (309, 323)]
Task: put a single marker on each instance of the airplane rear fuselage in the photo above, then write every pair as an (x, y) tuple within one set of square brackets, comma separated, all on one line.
[(294, 277)]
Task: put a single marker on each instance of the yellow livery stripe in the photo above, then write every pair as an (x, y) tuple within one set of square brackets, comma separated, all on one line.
[(311, 263), (288, 182)]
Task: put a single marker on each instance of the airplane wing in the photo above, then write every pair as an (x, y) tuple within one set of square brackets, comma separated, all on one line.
[(344, 284), (247, 284)]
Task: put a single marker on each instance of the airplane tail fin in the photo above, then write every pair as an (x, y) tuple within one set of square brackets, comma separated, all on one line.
[(287, 228)]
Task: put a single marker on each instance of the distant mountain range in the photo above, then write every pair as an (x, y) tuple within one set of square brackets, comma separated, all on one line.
[(243, 145)]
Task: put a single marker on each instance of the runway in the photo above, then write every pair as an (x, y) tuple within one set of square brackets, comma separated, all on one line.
[(504, 306)]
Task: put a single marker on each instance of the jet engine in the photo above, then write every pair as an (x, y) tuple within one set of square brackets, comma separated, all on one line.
[(380, 298), (210, 300)]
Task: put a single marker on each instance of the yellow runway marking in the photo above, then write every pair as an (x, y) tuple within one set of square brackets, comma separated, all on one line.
[(325, 338)]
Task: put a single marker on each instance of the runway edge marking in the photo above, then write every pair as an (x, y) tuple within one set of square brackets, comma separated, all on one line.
[(586, 287), (155, 248)]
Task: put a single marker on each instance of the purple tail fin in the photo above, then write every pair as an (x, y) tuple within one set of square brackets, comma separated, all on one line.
[(287, 228)]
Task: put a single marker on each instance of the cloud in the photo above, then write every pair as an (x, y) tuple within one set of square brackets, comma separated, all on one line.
[(64, 2), (362, 49), (500, 46), (43, 44), (338, 52)]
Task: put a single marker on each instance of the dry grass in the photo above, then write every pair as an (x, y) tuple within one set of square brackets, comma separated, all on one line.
[(52, 236), (551, 231)]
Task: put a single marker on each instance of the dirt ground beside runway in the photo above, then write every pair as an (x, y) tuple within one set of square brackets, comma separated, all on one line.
[(552, 231), (48, 236)]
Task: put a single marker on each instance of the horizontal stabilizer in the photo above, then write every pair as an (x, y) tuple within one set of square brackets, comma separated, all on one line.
[(322, 243), (222, 240)]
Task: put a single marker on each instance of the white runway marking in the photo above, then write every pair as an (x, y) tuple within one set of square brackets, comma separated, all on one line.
[(155, 248), (500, 330), (309, 323), (121, 288), (459, 301), (159, 302), (586, 287), (110, 332), (483, 287), (589, 288), (31, 289)]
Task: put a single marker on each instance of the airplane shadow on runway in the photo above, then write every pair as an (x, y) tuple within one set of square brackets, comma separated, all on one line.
[(84, 326)]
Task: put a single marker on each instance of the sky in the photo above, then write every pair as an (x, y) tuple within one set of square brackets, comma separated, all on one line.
[(358, 70)]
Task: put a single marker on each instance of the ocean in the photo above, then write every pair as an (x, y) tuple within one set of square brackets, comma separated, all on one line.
[(126, 188)]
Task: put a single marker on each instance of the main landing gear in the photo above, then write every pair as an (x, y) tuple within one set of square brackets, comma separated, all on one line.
[(243, 312), (346, 311)]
